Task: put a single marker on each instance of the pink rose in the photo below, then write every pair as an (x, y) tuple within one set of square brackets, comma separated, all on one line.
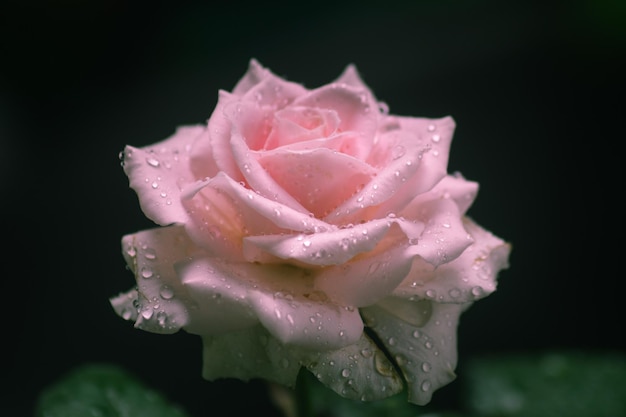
[(309, 228)]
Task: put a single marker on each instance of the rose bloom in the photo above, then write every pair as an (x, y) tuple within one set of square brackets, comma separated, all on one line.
[(309, 228)]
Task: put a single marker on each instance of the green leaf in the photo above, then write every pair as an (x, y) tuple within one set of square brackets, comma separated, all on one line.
[(549, 384), (101, 390)]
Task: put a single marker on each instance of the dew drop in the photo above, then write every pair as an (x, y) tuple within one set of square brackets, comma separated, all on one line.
[(147, 313), (426, 367), (166, 292), (146, 272), (150, 254), (345, 372), (398, 152), (477, 291), (425, 386), (454, 293), (161, 318), (436, 138), (374, 267), (153, 162), (391, 341), (366, 353)]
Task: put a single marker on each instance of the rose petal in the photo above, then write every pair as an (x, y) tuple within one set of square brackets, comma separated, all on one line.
[(215, 153), (158, 172), (299, 124), (331, 247), (452, 187), (255, 74), (310, 324), (258, 178), (235, 295), (359, 371), (356, 109), (351, 77), (426, 354), (222, 212), (162, 300), (125, 304), (410, 165), (219, 300), (444, 237), (437, 236), (364, 281), (273, 93), (248, 354), (319, 179), (469, 277)]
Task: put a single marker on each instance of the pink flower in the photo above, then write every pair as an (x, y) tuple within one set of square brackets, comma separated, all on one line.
[(309, 228)]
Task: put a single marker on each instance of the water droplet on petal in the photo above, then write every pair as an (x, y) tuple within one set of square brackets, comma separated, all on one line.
[(426, 367), (146, 272), (425, 385), (477, 291), (345, 372), (153, 162), (166, 292), (398, 152)]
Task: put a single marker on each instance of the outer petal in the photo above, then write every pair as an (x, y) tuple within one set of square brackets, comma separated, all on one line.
[(161, 301), (444, 237), (360, 371), (306, 323), (255, 74), (234, 295), (215, 153), (426, 353), (219, 300), (158, 172), (248, 354), (366, 280), (351, 77), (274, 93), (467, 278), (452, 187), (437, 237)]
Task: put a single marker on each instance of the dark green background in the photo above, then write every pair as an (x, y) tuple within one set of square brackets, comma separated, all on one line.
[(536, 89)]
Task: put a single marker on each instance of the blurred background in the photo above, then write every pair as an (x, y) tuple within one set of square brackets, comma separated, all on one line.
[(536, 89)]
